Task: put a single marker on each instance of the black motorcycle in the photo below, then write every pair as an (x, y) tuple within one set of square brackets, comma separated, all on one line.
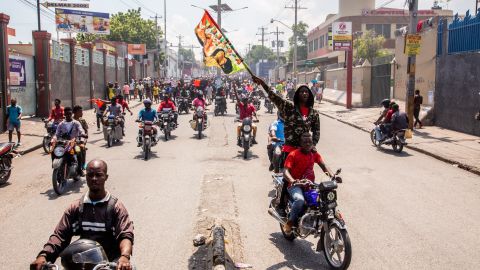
[(51, 128), (166, 123), (269, 105), (257, 102), (183, 105), (220, 105), (321, 218), (65, 164), (6, 156), (246, 136), (396, 140)]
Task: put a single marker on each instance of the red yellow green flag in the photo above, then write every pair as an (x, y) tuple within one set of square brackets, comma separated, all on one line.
[(218, 51)]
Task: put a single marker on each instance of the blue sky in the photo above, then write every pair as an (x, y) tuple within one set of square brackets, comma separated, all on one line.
[(182, 17)]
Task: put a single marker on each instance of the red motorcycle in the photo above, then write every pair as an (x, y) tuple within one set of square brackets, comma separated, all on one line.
[(6, 156)]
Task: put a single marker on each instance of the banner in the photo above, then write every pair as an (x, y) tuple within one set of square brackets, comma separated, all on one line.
[(17, 73), (137, 49), (342, 36), (412, 44), (76, 21), (217, 49)]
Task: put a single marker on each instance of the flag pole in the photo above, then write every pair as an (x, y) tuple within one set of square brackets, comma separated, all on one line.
[(231, 45)]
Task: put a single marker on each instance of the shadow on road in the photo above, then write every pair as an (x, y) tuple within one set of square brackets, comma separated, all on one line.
[(71, 188), (153, 155), (393, 153), (250, 156), (5, 185), (298, 254)]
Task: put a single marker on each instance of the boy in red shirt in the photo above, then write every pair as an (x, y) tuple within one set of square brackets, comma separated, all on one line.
[(299, 166)]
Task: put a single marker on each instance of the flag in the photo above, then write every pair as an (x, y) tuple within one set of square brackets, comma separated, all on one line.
[(217, 49)]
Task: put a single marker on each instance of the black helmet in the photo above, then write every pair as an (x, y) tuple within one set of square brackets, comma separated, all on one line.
[(83, 254), (385, 103)]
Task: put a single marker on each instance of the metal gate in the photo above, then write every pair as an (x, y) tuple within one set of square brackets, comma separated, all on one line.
[(381, 80)]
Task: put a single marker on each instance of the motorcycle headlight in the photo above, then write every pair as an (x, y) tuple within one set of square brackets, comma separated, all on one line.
[(331, 196), (247, 128), (59, 151)]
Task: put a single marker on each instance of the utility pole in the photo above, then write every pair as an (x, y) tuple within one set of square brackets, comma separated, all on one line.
[(263, 41), (179, 49), (413, 8), (157, 47), (476, 6), (165, 36), (38, 15), (295, 52), (277, 65)]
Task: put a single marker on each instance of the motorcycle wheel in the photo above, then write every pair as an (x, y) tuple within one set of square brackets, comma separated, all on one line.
[(146, 149), (373, 138), (59, 180), (46, 144), (200, 127), (290, 237), (398, 148), (335, 242), (109, 140), (6, 170)]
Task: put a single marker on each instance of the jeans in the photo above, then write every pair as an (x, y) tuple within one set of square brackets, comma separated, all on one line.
[(296, 194)]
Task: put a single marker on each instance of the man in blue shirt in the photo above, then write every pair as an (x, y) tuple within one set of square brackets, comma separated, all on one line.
[(14, 114), (147, 114), (276, 137)]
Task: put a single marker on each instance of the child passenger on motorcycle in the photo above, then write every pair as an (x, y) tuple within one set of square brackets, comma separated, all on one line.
[(299, 166)]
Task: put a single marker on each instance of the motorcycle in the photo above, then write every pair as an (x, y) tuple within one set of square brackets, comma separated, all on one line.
[(6, 156), (321, 218), (147, 138), (51, 128), (269, 105), (220, 105), (246, 136), (183, 105), (199, 122), (65, 164), (397, 140), (112, 131), (256, 102), (166, 122)]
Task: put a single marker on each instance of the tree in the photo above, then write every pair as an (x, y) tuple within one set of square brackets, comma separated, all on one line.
[(259, 52), (369, 46), (301, 42), (128, 27), (188, 55)]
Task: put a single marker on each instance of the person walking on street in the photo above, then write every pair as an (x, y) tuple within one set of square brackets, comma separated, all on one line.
[(126, 92), (417, 103), (118, 90), (14, 114)]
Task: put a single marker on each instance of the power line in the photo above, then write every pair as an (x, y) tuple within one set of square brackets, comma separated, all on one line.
[(140, 4), (33, 7)]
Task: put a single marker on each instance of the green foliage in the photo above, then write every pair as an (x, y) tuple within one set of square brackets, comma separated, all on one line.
[(259, 52), (302, 29), (369, 46), (128, 27), (188, 55)]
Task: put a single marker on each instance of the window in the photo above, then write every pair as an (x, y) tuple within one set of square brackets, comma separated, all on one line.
[(315, 44), (381, 29), (310, 46), (322, 41)]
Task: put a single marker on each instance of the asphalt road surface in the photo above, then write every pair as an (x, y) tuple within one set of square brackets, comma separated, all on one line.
[(403, 211)]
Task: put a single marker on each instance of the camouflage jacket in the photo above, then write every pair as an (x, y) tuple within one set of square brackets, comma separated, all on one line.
[(295, 126)]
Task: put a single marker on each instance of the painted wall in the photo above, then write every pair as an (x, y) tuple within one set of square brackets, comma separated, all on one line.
[(457, 97), (61, 83), (25, 95), (361, 83), (425, 72), (82, 86)]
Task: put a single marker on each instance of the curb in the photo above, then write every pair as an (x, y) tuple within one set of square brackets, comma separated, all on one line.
[(462, 166)]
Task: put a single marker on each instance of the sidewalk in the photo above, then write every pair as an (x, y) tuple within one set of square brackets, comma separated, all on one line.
[(457, 148), (33, 130)]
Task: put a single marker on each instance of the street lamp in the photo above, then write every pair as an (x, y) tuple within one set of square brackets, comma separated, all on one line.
[(273, 20)]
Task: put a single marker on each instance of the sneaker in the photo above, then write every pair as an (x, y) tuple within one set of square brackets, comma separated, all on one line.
[(254, 141), (271, 167), (239, 143), (19, 144)]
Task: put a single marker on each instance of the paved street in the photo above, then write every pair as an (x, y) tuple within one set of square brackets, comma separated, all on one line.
[(406, 211)]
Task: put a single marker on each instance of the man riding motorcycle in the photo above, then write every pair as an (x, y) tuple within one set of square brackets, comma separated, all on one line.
[(300, 117), (299, 166), (69, 129), (276, 137), (147, 114), (57, 112), (97, 216), (167, 103), (246, 109), (115, 109)]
